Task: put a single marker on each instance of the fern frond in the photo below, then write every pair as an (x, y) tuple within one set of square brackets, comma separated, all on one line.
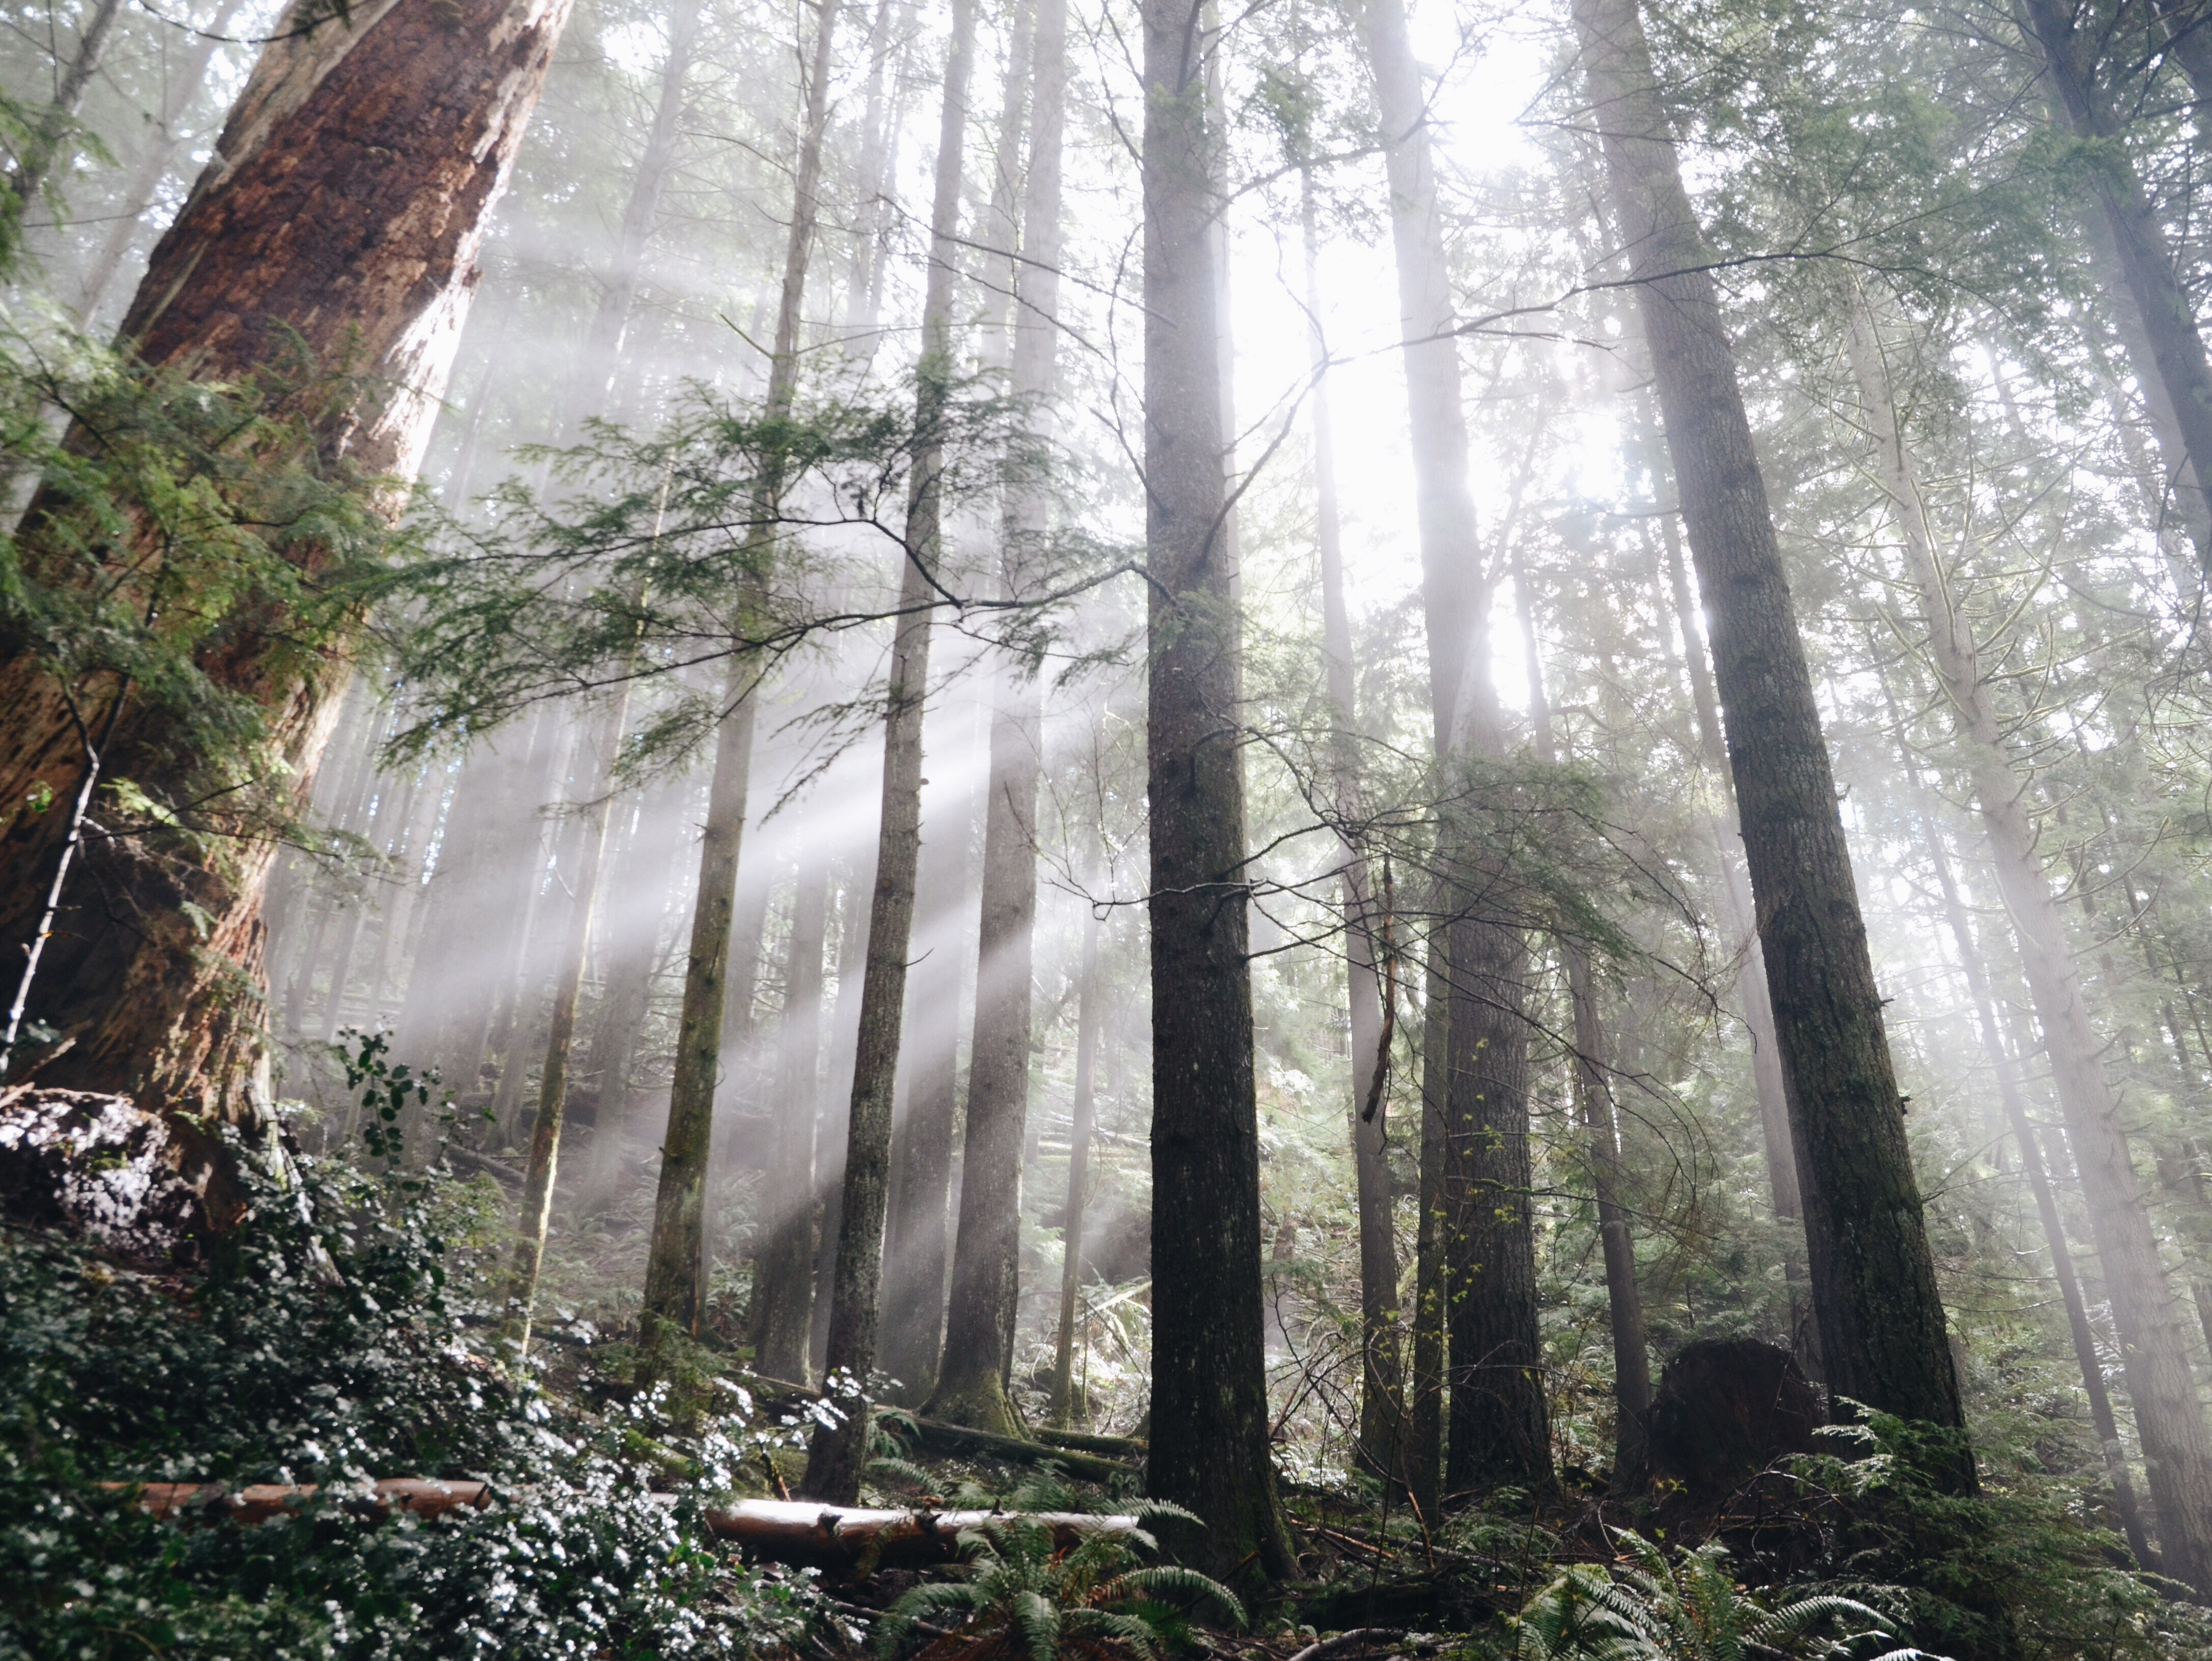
[(1173, 1582)]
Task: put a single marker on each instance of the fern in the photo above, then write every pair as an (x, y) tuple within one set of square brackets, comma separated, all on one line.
[(1026, 1599), (1690, 1609)]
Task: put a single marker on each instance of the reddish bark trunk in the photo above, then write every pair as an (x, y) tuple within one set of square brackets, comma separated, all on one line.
[(342, 211)]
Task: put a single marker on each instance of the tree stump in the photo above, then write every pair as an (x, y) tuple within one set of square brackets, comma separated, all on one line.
[(1726, 1410)]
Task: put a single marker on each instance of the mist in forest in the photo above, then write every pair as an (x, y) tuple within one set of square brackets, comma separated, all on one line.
[(1355, 750)]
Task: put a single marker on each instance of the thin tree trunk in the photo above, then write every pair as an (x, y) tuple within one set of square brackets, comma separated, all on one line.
[(675, 1295), (978, 1339), (2046, 1205), (1499, 1421), (603, 341), (36, 163), (1063, 1409), (1209, 1413), (2151, 278), (1631, 1353), (1382, 1379), (182, 89), (837, 1092), (2154, 1340), (1883, 1337), (834, 1459), (544, 1165), (783, 1282), (1423, 1453)]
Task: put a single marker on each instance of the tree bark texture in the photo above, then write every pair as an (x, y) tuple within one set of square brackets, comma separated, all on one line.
[(1209, 1412), (1499, 1422), (344, 209), (2153, 1333), (783, 1281), (835, 1458), (676, 1267), (1883, 1338), (979, 1341)]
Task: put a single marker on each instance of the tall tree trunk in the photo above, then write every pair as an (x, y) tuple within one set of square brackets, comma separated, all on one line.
[(1382, 1379), (1209, 1413), (783, 1282), (1063, 1409), (1882, 1335), (2154, 1336), (1631, 1353), (833, 1460), (1499, 1425), (603, 341), (918, 1242), (1422, 1454), (2038, 1181), (544, 1163), (2151, 278), (675, 1294), (836, 1093), (978, 1339), (35, 165), (181, 89), (352, 128), (1736, 909)]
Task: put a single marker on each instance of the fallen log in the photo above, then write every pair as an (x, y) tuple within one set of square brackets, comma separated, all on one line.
[(1113, 1447), (938, 1437), (785, 1530), (797, 1531), (258, 1502)]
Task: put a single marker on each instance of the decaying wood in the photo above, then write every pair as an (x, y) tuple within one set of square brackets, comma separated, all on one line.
[(259, 1502), (799, 1531), (939, 1436)]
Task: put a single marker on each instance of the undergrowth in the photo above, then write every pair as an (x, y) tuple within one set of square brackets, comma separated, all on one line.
[(329, 1342)]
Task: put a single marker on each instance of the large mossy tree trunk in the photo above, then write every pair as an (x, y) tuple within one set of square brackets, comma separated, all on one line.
[(342, 211), (1882, 1333), (1209, 1413), (837, 1451)]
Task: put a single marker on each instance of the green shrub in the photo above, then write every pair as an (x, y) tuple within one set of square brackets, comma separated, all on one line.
[(327, 1343)]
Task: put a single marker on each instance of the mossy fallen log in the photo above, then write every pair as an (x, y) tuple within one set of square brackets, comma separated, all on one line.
[(938, 1437)]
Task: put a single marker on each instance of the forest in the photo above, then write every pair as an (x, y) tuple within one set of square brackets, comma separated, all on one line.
[(755, 899)]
